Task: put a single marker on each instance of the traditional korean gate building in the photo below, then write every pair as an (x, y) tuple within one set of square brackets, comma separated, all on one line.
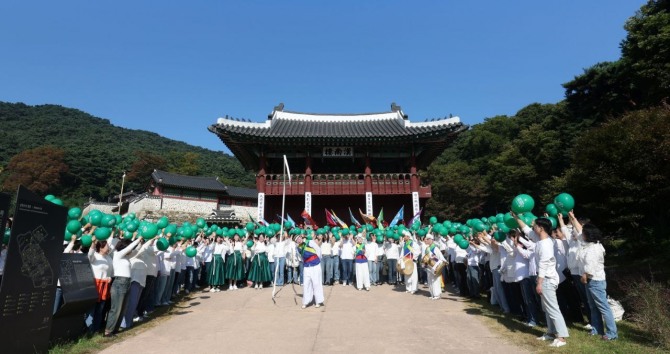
[(338, 161)]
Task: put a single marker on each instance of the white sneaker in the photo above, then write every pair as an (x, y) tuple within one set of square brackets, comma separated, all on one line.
[(212, 290), (317, 306), (260, 286), (367, 289), (304, 306), (557, 343), (256, 286), (217, 290), (344, 284), (588, 327), (546, 336)]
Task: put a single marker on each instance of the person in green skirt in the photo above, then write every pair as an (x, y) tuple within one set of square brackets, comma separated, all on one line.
[(216, 276), (235, 264), (260, 267)]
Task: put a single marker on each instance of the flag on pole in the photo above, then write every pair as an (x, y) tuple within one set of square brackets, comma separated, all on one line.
[(415, 218), (353, 219), (263, 222), (329, 219), (288, 217), (252, 219), (368, 219), (308, 218), (339, 221), (380, 220), (398, 217), (288, 171)]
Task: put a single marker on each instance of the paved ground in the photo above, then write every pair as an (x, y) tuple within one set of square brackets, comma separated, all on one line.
[(383, 320)]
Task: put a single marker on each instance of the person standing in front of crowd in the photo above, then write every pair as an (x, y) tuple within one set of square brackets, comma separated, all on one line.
[(336, 246), (433, 252), (361, 261), (547, 284), (260, 268), (312, 287), (409, 251), (120, 285), (280, 257), (327, 260), (593, 263), (217, 267), (101, 264)]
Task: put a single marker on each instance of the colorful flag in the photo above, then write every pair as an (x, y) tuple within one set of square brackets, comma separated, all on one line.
[(263, 222), (380, 220), (398, 217), (353, 219), (329, 219), (415, 218), (339, 221), (288, 217), (308, 219), (252, 219), (368, 219)]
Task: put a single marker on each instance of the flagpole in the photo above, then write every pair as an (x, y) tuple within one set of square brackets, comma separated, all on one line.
[(281, 229)]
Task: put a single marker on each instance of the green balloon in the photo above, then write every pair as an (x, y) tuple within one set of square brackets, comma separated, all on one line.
[(509, 220), (102, 233), (458, 238), (86, 241), (564, 202), (148, 231), (170, 229), (133, 226), (492, 220), (201, 223), (57, 201), (108, 220), (250, 244), (73, 226), (288, 225), (191, 251), (95, 217), (522, 203), (551, 209), (162, 244), (74, 213), (250, 226), (49, 197), (554, 222), (500, 217), (433, 220), (478, 226), (163, 222), (464, 244), (500, 236), (127, 235)]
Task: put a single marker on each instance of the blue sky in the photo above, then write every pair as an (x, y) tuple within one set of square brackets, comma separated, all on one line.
[(174, 67)]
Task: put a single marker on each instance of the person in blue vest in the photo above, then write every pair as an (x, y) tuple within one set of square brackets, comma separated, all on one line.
[(312, 285)]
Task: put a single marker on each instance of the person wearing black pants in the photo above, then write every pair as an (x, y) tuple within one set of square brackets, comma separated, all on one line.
[(462, 279)]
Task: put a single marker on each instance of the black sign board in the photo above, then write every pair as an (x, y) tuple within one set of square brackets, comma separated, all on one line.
[(31, 272), (79, 295)]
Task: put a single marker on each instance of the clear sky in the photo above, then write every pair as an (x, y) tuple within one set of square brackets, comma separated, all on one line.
[(174, 67)]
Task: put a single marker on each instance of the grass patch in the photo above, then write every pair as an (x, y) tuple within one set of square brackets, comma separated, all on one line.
[(632, 339)]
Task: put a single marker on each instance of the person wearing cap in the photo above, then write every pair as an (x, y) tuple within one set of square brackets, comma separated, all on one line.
[(409, 251), (361, 260), (437, 257), (312, 285)]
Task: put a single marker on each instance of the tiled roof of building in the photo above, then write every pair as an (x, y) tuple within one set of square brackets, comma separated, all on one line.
[(249, 193), (210, 184)]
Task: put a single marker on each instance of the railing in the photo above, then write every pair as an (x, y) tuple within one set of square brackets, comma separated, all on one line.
[(342, 184)]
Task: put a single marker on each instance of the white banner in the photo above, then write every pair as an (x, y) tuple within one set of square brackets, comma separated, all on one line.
[(308, 202), (415, 203), (261, 207), (368, 203)]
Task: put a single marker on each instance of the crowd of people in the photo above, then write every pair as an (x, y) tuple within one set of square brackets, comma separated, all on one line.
[(541, 274)]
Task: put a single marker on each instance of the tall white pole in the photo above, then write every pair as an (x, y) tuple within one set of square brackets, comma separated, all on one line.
[(281, 229), (123, 180)]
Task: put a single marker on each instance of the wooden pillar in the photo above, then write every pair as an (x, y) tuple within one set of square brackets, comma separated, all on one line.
[(260, 177)]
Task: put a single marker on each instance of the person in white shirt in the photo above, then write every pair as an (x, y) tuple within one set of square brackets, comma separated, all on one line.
[(138, 277), (169, 261), (259, 272), (235, 261), (473, 270), (547, 283), (391, 249), (436, 256), (347, 259), (120, 285), (292, 262), (573, 236), (336, 245), (460, 267), (101, 264), (409, 251), (146, 304), (217, 267), (280, 258), (371, 253), (593, 263), (522, 258), (327, 259), (490, 246)]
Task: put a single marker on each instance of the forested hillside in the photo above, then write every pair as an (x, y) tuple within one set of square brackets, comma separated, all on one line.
[(74, 155), (607, 143)]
